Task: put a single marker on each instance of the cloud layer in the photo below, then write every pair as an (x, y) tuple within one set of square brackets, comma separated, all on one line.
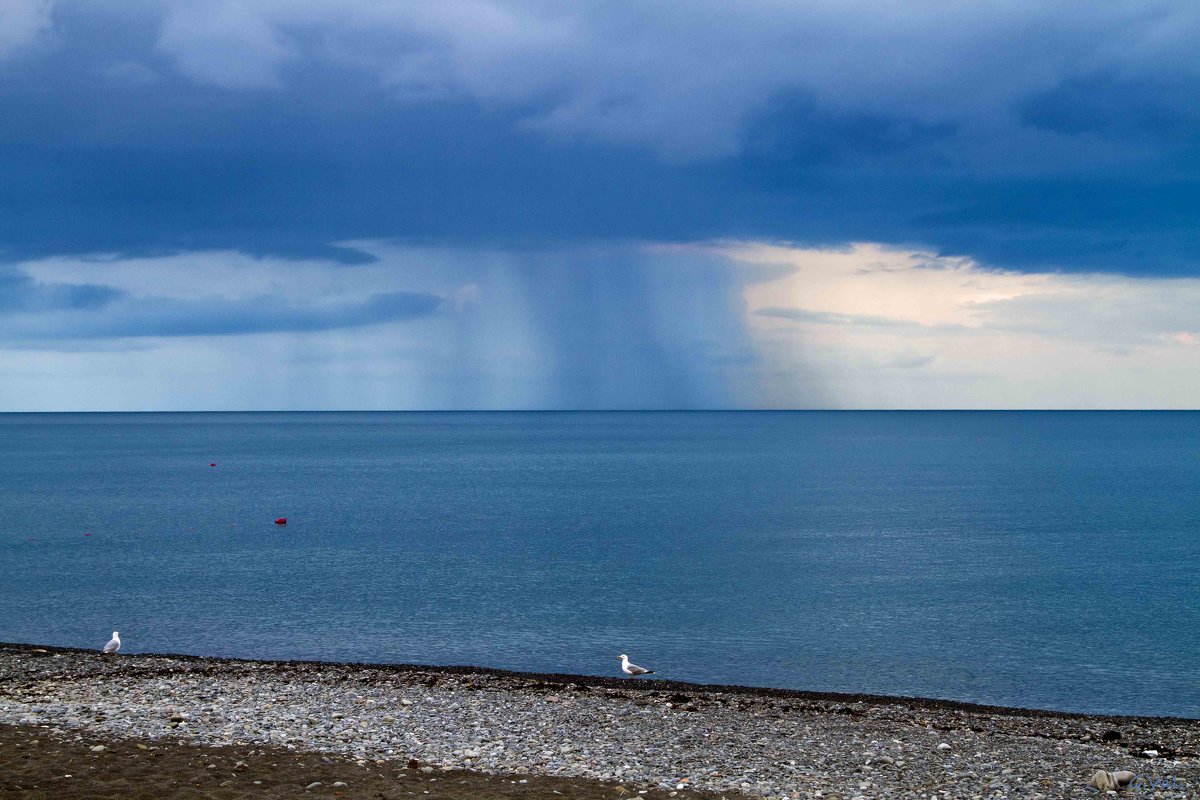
[(432, 327), (22, 22), (885, 328), (704, 325), (1024, 135), (686, 83)]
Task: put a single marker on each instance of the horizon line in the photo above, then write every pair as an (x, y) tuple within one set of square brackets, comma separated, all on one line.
[(623, 411)]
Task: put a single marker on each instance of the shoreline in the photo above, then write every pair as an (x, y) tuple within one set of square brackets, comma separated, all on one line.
[(614, 733), (633, 684)]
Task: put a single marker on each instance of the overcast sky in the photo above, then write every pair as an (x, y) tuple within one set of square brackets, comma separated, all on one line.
[(527, 204)]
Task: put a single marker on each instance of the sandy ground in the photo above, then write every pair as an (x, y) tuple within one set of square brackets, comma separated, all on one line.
[(37, 763)]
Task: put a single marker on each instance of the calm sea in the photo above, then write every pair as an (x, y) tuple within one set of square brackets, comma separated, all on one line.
[(1032, 559)]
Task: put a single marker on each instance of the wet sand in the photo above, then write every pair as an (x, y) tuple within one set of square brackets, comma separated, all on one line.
[(40, 764)]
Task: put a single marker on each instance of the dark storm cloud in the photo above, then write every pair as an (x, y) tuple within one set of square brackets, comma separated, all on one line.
[(793, 129), (103, 316), (1017, 133), (262, 315), (1154, 108), (832, 318), (18, 292)]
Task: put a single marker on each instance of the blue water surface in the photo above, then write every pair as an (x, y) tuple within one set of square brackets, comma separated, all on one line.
[(1032, 559)]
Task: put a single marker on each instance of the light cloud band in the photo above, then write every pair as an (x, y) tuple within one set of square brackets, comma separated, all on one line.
[(705, 325)]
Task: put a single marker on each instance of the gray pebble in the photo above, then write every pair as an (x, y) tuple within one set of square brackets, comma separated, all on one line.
[(766, 746)]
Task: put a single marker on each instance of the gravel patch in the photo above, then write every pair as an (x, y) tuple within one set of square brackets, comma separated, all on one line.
[(672, 736)]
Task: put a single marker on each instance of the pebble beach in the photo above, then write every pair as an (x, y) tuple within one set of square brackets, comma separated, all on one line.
[(614, 736)]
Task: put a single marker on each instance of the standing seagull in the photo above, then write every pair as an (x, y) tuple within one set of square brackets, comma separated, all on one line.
[(114, 644), (632, 670)]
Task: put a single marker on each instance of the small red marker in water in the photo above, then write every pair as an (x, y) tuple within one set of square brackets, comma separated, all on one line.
[(87, 534), (281, 521), (213, 464)]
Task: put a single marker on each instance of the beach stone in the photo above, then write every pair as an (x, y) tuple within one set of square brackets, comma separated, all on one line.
[(339, 784), (1104, 780), (768, 747), (313, 785)]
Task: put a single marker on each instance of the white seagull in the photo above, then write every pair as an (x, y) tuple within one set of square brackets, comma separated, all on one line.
[(632, 670), (114, 644)]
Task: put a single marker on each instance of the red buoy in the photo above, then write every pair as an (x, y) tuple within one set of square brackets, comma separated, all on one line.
[(213, 464), (281, 521)]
